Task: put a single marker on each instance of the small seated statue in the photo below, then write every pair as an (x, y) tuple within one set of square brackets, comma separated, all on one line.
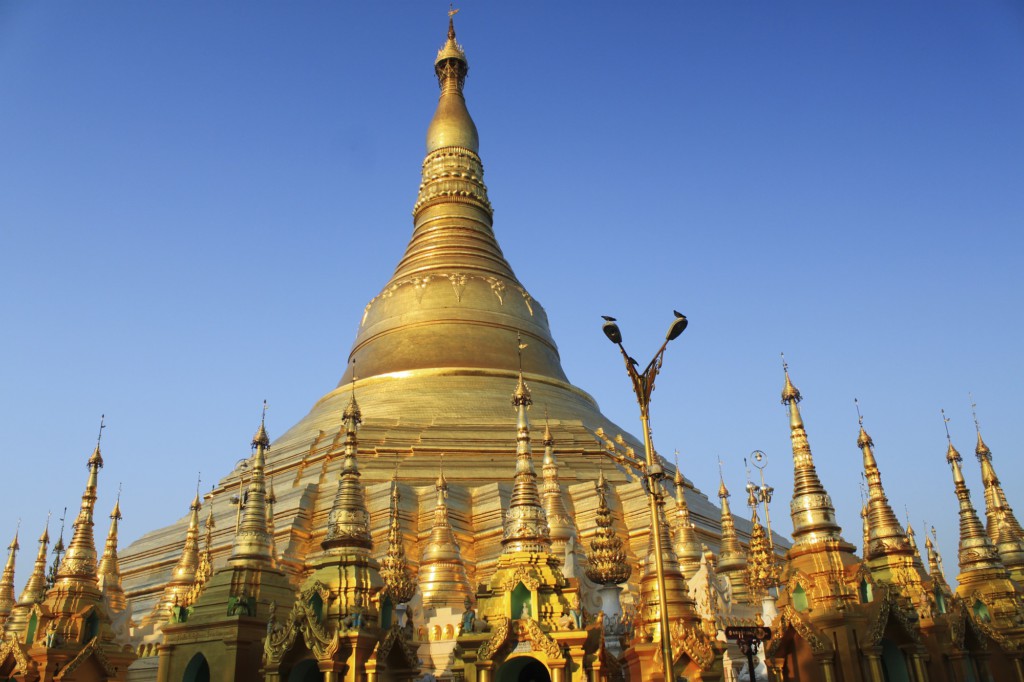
[(354, 619)]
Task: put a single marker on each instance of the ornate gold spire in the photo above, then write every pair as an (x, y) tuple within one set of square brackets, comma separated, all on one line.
[(452, 125), (997, 507), (35, 589), (394, 570), (205, 568), (732, 560), (79, 563), (607, 563), (184, 573), (976, 552), (252, 546), (348, 524), (814, 516), (686, 546), (526, 527), (561, 524), (7, 600), (762, 570), (109, 569), (442, 575), (935, 565), (885, 534), (453, 301)]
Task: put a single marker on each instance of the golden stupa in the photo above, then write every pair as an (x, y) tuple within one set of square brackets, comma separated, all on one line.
[(406, 529), (436, 355)]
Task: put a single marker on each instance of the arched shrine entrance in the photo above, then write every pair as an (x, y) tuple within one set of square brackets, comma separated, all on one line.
[(523, 669)]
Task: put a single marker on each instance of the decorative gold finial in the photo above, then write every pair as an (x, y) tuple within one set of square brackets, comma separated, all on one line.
[(452, 11), (981, 450), (96, 459), (394, 569), (607, 563), (260, 438), (863, 439), (789, 391)]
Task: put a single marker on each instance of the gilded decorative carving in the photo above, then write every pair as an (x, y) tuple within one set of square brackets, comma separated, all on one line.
[(487, 650), (790, 617), (89, 650), (543, 641), (694, 643)]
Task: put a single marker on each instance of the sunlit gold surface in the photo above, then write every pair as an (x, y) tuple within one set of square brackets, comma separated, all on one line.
[(7, 600)]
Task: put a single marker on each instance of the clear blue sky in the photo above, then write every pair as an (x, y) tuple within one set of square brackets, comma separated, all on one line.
[(199, 198)]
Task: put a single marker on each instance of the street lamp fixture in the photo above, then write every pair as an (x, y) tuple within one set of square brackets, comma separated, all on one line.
[(643, 386)]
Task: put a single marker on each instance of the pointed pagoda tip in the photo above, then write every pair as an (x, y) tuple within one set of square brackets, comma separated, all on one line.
[(678, 478), (14, 546), (352, 411), (115, 513), (723, 492), (451, 49), (44, 539), (602, 482), (863, 439), (548, 439), (96, 459), (952, 455), (790, 393), (521, 396), (981, 450)]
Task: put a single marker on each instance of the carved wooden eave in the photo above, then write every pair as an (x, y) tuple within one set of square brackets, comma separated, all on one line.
[(22, 665), (90, 650), (690, 640), (790, 618)]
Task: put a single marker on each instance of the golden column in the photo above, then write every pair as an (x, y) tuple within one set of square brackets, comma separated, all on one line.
[(643, 386)]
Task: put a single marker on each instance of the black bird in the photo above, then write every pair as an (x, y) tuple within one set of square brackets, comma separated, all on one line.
[(678, 314), (612, 319), (633, 362)]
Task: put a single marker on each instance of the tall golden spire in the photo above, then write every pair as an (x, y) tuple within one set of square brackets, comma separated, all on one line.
[(761, 572), (184, 573), (814, 517), (526, 526), (109, 571), (205, 568), (686, 546), (394, 569), (7, 600), (732, 560), (562, 527), (252, 546), (886, 536), (997, 508), (35, 589), (348, 524), (453, 301), (607, 563), (442, 574), (976, 554), (79, 564)]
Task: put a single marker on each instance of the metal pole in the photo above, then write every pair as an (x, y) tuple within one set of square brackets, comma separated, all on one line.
[(654, 486)]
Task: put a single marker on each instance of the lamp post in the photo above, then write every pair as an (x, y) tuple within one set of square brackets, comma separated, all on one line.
[(643, 386)]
